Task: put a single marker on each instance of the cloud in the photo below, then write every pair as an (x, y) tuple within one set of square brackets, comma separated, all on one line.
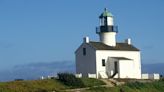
[(35, 70)]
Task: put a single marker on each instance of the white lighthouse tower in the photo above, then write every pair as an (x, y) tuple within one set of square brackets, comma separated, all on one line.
[(108, 58), (107, 31)]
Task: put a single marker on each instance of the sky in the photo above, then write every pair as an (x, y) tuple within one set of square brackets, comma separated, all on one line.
[(34, 31)]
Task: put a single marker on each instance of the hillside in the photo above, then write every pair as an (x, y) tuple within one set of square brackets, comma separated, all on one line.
[(47, 85), (93, 85), (156, 86)]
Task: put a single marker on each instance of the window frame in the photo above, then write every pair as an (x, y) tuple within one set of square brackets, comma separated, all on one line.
[(103, 62), (84, 52)]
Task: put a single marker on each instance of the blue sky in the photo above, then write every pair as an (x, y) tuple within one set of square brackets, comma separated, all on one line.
[(51, 30)]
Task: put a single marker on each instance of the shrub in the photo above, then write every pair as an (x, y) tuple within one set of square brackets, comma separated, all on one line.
[(70, 80), (162, 79)]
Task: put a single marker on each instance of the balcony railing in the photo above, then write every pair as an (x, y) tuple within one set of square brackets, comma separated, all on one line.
[(107, 29)]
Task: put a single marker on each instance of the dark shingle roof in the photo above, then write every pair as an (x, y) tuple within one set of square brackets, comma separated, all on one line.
[(119, 46)]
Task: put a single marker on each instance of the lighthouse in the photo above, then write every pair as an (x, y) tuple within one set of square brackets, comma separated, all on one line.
[(107, 31), (107, 58)]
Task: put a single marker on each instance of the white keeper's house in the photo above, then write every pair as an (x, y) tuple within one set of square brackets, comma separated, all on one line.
[(108, 58)]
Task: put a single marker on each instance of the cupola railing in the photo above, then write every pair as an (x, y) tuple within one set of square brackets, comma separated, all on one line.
[(106, 29)]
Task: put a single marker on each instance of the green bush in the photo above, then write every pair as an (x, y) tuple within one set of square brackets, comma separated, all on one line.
[(162, 79), (70, 80)]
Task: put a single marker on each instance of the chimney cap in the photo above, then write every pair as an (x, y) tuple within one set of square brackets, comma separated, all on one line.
[(86, 39), (128, 41)]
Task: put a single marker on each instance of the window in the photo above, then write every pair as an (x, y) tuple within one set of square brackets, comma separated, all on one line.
[(103, 62), (84, 51)]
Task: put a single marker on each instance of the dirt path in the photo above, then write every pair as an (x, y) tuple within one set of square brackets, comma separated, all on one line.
[(108, 82), (82, 89)]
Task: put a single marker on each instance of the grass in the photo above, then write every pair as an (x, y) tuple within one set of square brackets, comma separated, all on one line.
[(50, 85), (157, 86), (32, 86), (103, 89), (90, 82), (47, 85)]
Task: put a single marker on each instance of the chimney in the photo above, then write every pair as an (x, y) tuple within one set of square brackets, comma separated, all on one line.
[(128, 41), (86, 39)]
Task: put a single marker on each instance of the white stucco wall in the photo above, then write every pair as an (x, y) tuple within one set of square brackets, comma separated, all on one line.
[(134, 55), (126, 69), (85, 64), (108, 38)]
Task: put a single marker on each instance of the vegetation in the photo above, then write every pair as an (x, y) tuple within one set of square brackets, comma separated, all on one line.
[(70, 80), (47, 85), (73, 82), (32, 86), (56, 85), (157, 86), (90, 82)]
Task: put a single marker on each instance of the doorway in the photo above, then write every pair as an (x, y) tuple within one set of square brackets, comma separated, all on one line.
[(116, 67)]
